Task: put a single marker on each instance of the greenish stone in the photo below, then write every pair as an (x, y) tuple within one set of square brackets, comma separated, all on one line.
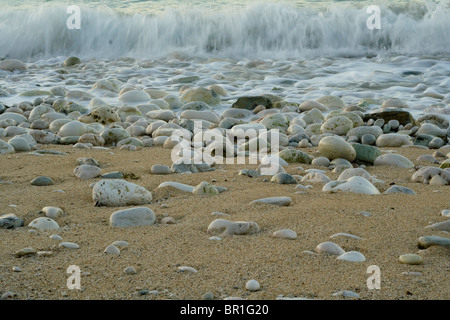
[(71, 61), (295, 156), (423, 140), (445, 164), (366, 153)]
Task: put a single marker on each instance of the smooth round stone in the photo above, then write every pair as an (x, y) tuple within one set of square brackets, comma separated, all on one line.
[(310, 105), (240, 131), (394, 160), (316, 177), (117, 192), (346, 294), (73, 128), (12, 65), (285, 234), (252, 285), (354, 184), (366, 153), (168, 220), (87, 171), (121, 243), (284, 178), (166, 115), (69, 245), (427, 158), (394, 103), (332, 102), (130, 270), (363, 130), (445, 213), (339, 125), (436, 143), (208, 296), (52, 212), (393, 140), (329, 247), (204, 188), (354, 172), (10, 221), (134, 96), (410, 259), (279, 201), (399, 189), (295, 156), (320, 162), (92, 138), (114, 135), (160, 169), (333, 147), (44, 224), (112, 249), (222, 227), (19, 144), (140, 216), (103, 115), (71, 61), (276, 121), (428, 241), (160, 140), (353, 256), (6, 148), (432, 130), (200, 94), (437, 181), (131, 141), (368, 139), (394, 124), (445, 164), (44, 137), (56, 237)]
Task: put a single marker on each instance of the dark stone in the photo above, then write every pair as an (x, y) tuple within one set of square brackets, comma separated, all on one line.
[(10, 221), (251, 103), (366, 153), (423, 140), (404, 117), (42, 181)]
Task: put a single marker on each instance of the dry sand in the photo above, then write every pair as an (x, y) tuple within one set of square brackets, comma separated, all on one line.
[(281, 266)]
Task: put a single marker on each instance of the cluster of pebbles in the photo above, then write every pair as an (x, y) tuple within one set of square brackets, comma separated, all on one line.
[(348, 140)]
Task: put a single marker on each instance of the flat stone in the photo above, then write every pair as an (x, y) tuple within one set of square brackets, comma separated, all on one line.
[(399, 189), (140, 216), (353, 256), (25, 252), (42, 181), (442, 226), (160, 169), (428, 241), (177, 185), (117, 192), (279, 201), (329, 247), (410, 259), (222, 227), (285, 234), (69, 245), (187, 269)]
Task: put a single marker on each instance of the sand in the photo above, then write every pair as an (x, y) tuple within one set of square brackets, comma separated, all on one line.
[(280, 265)]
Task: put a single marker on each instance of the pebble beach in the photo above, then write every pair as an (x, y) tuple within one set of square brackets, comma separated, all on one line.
[(94, 174)]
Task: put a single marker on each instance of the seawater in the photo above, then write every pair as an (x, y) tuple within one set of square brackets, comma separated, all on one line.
[(299, 50)]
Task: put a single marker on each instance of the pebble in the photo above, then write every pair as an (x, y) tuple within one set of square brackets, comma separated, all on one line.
[(121, 243), (44, 224), (112, 249), (177, 185), (393, 140), (208, 296), (445, 213), (346, 235), (354, 184), (160, 169), (42, 181), (283, 178), (295, 156), (333, 147), (428, 241), (252, 285), (321, 162), (56, 237), (425, 174), (441, 226), (394, 160), (187, 269), (346, 294), (279, 201), (368, 139), (25, 252), (410, 259), (130, 270), (438, 181), (285, 234), (399, 189), (353, 256), (113, 175), (222, 227), (249, 173), (69, 245), (315, 177), (329, 247), (117, 192), (52, 212), (204, 188), (16, 269), (139, 216), (168, 220), (10, 221)]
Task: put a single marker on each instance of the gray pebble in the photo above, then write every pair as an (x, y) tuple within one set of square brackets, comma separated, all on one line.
[(42, 181)]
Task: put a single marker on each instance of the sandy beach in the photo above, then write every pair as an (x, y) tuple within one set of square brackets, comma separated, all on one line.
[(281, 266)]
